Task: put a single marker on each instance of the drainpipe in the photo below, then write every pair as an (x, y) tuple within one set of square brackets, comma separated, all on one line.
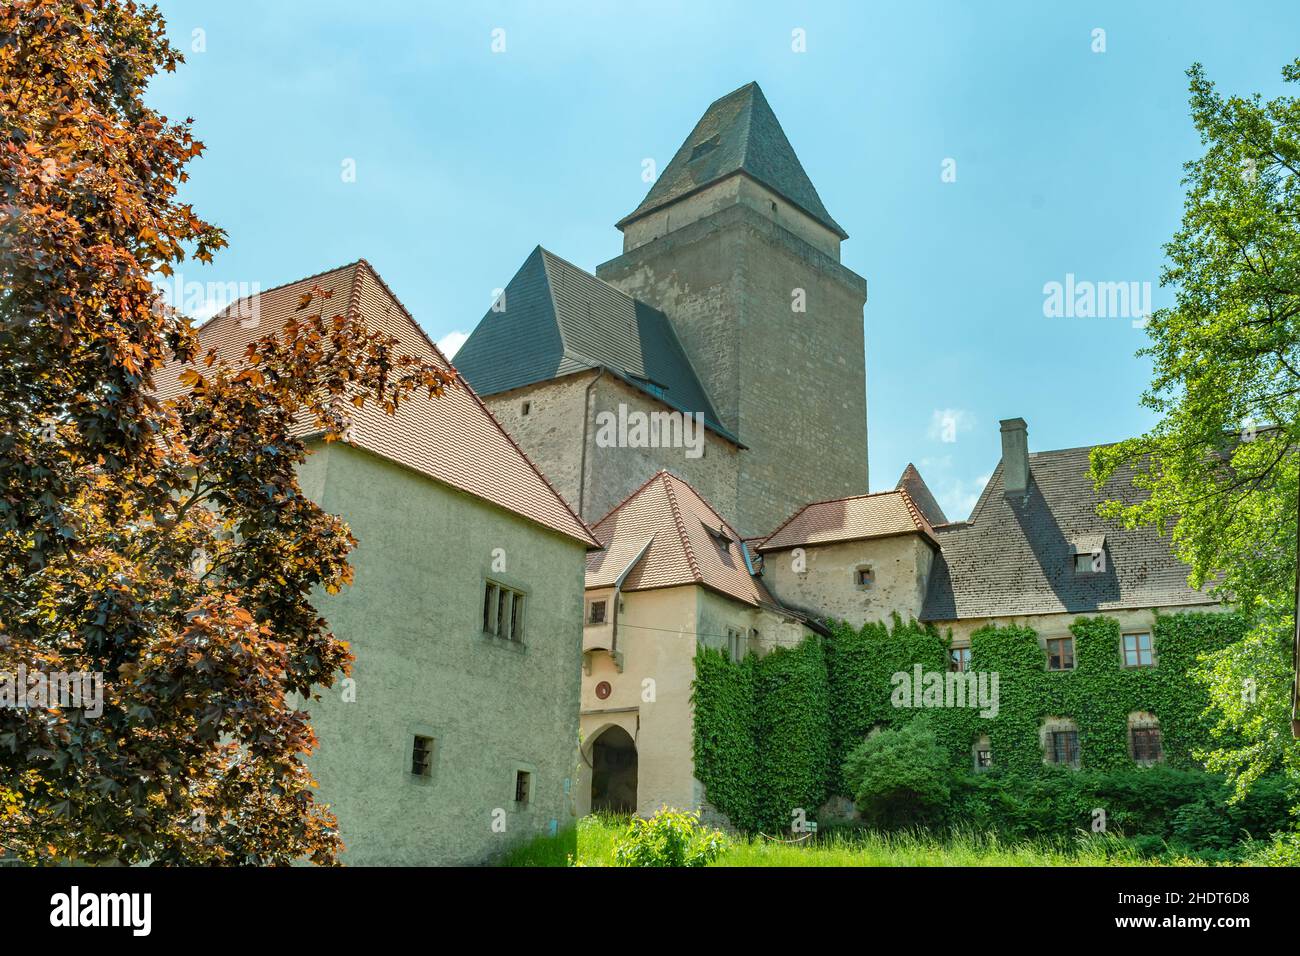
[(618, 592), (582, 462)]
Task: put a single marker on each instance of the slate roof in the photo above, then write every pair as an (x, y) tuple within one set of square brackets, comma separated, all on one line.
[(690, 543), (857, 518), (1016, 557), (912, 482), (738, 133), (559, 319), (453, 439)]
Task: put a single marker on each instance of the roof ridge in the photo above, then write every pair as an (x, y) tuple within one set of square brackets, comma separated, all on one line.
[(469, 390), (681, 528), (703, 500), (640, 488), (275, 288)]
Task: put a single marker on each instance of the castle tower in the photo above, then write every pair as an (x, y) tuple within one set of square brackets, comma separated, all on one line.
[(734, 246)]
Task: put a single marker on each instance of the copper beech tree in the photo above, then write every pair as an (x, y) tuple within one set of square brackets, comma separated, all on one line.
[(166, 546)]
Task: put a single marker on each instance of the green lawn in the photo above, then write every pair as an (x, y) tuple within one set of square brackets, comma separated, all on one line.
[(597, 835)]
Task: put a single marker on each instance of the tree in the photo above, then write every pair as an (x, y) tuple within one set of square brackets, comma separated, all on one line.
[(900, 777), (164, 546), (1221, 464)]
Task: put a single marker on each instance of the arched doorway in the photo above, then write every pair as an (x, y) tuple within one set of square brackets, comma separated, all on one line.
[(613, 772)]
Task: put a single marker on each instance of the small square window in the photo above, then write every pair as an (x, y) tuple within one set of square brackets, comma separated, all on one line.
[(865, 577), (983, 759), (523, 786), (596, 612), (1060, 654), (526, 408), (959, 659), (1137, 650), (422, 756)]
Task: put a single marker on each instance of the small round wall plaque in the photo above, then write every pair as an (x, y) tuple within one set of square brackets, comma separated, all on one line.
[(603, 690)]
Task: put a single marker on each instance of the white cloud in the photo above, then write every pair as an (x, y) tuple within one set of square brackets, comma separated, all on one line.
[(945, 423), (450, 343)]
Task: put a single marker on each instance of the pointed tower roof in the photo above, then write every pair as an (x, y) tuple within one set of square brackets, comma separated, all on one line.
[(912, 482), (453, 439), (557, 319), (689, 543), (738, 133)]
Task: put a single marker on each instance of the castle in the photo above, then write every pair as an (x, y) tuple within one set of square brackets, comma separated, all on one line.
[(667, 454)]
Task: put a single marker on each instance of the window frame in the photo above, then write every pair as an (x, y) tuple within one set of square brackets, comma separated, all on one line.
[(870, 571), (959, 659), (1063, 641), (1149, 733), (1138, 649), (1071, 737), (603, 604), (504, 601)]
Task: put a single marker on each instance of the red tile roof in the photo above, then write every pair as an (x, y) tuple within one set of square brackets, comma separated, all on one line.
[(690, 543), (453, 439), (878, 515)]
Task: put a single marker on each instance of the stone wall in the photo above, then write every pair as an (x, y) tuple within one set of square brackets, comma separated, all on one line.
[(413, 617)]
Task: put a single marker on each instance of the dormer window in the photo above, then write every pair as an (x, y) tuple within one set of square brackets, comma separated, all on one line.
[(1089, 554), (720, 538), (704, 147)]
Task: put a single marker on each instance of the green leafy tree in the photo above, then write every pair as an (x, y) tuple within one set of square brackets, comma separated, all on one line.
[(165, 547), (1220, 466), (900, 777)]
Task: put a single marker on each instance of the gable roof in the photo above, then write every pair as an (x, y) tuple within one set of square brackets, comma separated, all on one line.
[(916, 488), (453, 439), (1015, 557), (738, 133), (558, 319), (689, 543), (879, 515)]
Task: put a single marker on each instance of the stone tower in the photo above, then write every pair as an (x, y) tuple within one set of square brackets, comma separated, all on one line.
[(734, 246)]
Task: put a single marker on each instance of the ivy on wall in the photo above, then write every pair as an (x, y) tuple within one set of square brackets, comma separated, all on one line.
[(771, 733)]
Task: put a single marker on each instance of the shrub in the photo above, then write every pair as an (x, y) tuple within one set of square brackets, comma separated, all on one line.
[(900, 777), (669, 838)]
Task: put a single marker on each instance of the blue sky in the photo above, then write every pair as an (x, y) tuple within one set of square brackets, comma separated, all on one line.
[(1067, 161)]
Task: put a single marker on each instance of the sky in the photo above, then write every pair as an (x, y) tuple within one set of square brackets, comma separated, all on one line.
[(975, 153)]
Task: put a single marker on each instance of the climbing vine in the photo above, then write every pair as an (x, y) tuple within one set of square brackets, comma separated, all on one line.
[(772, 732)]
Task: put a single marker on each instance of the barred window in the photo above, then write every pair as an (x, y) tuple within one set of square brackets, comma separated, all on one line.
[(1146, 744), (596, 612), (523, 786), (422, 756), (503, 612), (1065, 747)]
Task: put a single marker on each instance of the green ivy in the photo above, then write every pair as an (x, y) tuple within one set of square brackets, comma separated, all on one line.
[(772, 733)]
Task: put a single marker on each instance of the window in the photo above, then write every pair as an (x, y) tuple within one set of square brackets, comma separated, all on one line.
[(959, 659), (735, 648), (422, 756), (503, 612), (721, 539), (1060, 654), (596, 612), (526, 408), (704, 147), (1083, 563), (865, 576), (1064, 747), (1145, 744), (523, 786), (982, 753), (1137, 650)]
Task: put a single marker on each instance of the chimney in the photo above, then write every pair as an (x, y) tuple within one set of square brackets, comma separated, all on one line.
[(1015, 457)]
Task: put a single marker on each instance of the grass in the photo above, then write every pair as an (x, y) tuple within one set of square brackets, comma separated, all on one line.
[(596, 836)]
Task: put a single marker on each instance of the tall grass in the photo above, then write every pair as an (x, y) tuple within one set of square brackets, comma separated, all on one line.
[(596, 836)]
